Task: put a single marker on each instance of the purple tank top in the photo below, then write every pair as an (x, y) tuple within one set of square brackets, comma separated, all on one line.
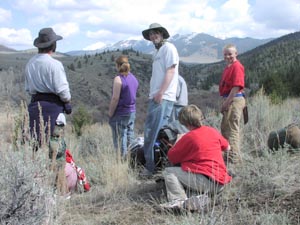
[(127, 99)]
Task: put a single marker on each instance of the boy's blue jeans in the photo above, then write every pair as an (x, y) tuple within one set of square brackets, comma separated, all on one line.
[(122, 131), (157, 116)]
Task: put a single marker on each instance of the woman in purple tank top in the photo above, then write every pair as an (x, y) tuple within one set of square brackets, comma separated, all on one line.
[(122, 106)]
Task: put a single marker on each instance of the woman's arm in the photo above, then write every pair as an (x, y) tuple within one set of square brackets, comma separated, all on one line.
[(115, 96)]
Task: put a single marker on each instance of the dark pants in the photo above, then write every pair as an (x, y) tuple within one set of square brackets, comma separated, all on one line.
[(49, 112)]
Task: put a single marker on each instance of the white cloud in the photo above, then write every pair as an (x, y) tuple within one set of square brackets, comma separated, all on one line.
[(92, 17), (95, 46), (235, 10), (277, 15), (94, 20), (66, 29), (99, 34), (12, 37), (209, 14), (34, 6), (75, 5), (5, 15), (63, 3), (114, 20)]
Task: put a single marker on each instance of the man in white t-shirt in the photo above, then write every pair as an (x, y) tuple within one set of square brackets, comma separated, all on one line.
[(163, 87)]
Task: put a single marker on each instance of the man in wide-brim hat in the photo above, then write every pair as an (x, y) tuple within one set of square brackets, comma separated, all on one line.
[(46, 82), (163, 87), (158, 27), (46, 38)]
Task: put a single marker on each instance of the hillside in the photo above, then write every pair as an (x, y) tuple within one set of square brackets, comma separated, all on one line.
[(275, 66), (4, 49)]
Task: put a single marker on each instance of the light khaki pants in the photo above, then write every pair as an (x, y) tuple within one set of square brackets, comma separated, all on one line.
[(176, 179), (230, 128)]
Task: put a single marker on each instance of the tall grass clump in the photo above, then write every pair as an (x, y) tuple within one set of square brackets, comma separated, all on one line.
[(97, 151), (264, 117), (27, 194), (110, 178)]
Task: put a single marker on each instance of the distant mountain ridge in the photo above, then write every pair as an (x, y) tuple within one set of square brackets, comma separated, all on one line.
[(195, 47), (6, 49), (192, 48)]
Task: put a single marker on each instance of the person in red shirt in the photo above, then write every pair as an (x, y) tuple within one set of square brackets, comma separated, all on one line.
[(199, 153), (231, 88)]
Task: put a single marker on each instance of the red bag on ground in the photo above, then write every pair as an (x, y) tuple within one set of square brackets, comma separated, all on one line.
[(81, 178)]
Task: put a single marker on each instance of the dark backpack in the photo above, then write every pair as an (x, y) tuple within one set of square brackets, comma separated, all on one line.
[(169, 132), (166, 138)]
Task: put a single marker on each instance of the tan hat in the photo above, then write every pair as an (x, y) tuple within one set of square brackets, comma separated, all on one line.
[(156, 26), (46, 38)]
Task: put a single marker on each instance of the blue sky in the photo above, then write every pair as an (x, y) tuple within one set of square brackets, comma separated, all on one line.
[(91, 24)]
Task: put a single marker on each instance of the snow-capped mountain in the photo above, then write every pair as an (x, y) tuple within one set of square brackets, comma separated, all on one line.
[(195, 47)]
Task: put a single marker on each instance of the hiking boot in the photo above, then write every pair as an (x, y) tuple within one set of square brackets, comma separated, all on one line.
[(196, 203), (176, 204)]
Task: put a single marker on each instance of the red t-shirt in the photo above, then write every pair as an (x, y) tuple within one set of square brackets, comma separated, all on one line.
[(200, 151), (233, 76)]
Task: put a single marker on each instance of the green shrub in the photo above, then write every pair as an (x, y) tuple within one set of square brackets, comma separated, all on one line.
[(81, 118)]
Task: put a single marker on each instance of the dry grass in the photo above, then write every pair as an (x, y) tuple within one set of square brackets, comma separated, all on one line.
[(264, 191)]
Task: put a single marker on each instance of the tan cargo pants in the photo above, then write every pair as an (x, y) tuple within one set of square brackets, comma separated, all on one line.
[(230, 129), (177, 180)]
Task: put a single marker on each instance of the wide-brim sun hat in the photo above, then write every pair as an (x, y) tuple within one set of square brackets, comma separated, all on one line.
[(46, 38), (155, 26)]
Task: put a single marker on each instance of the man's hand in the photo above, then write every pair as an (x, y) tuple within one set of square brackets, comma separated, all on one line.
[(225, 106), (158, 97), (68, 108)]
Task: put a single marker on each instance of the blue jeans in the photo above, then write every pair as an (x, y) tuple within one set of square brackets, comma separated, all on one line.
[(157, 116), (175, 113), (122, 131)]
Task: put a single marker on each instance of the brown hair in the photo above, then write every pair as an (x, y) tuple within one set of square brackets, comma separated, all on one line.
[(48, 49), (191, 115), (123, 64)]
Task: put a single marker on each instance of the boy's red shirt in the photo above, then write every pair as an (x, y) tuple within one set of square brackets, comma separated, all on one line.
[(200, 151), (233, 76)]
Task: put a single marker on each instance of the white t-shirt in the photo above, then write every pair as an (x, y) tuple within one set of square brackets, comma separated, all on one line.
[(46, 75), (163, 59)]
